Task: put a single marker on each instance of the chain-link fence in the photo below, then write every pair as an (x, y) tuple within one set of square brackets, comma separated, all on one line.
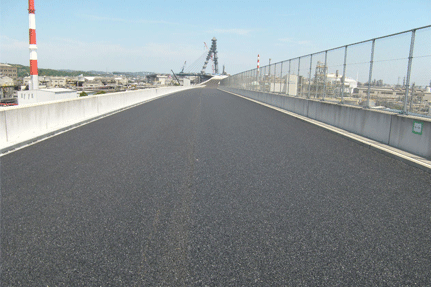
[(389, 73)]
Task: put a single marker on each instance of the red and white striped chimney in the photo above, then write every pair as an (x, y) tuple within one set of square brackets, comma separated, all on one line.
[(34, 79), (258, 62)]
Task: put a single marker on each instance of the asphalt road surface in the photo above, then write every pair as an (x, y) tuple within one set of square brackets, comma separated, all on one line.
[(202, 188)]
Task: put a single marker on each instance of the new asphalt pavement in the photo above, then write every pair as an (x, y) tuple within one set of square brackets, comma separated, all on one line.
[(202, 188)]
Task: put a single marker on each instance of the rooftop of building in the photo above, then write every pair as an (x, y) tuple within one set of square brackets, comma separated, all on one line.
[(57, 90)]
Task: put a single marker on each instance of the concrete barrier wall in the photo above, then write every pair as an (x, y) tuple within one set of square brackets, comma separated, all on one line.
[(403, 137), (388, 128), (368, 123), (3, 134), (296, 105), (18, 124)]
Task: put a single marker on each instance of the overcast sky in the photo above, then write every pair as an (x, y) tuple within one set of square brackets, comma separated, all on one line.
[(158, 36)]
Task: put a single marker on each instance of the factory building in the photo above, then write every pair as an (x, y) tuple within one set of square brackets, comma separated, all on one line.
[(8, 71), (6, 87), (336, 79), (31, 97)]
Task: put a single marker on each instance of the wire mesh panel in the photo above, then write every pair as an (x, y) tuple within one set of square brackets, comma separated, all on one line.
[(254, 80), (318, 74), (270, 77), (284, 72), (419, 99), (250, 80), (304, 75), (243, 80), (240, 84), (280, 77), (357, 73), (263, 83), (293, 78), (334, 66), (276, 83), (389, 72)]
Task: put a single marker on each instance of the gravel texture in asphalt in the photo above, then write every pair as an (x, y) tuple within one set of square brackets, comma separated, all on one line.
[(202, 188)]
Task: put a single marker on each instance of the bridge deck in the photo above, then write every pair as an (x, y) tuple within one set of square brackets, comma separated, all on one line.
[(204, 188)]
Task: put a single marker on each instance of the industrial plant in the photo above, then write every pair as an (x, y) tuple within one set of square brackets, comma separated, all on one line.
[(337, 88), (34, 88)]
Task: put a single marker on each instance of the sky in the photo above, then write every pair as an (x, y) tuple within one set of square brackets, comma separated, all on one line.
[(157, 36)]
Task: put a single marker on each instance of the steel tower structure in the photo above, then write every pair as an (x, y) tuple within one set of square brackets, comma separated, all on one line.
[(212, 54)]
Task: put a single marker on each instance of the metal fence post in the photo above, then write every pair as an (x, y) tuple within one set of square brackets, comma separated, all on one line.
[(325, 73), (257, 75), (370, 74), (281, 75), (316, 87), (247, 84), (288, 81), (299, 82), (275, 74), (309, 76), (344, 75), (409, 70), (256, 78)]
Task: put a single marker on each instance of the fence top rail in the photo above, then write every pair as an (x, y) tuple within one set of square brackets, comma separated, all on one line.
[(332, 49)]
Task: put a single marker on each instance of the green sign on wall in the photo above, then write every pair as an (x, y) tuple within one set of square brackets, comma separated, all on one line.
[(417, 127)]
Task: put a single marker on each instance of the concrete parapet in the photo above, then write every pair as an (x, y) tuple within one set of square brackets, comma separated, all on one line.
[(296, 105), (3, 132), (375, 125), (407, 133), (24, 123), (404, 136)]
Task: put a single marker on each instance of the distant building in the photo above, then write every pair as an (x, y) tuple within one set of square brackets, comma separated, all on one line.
[(158, 79), (120, 81), (8, 71), (6, 87), (43, 82), (185, 82), (287, 85), (427, 97), (57, 82), (335, 79), (45, 95), (92, 83), (379, 92), (162, 79)]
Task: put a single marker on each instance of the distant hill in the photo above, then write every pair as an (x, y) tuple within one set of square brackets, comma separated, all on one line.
[(133, 74), (25, 71)]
